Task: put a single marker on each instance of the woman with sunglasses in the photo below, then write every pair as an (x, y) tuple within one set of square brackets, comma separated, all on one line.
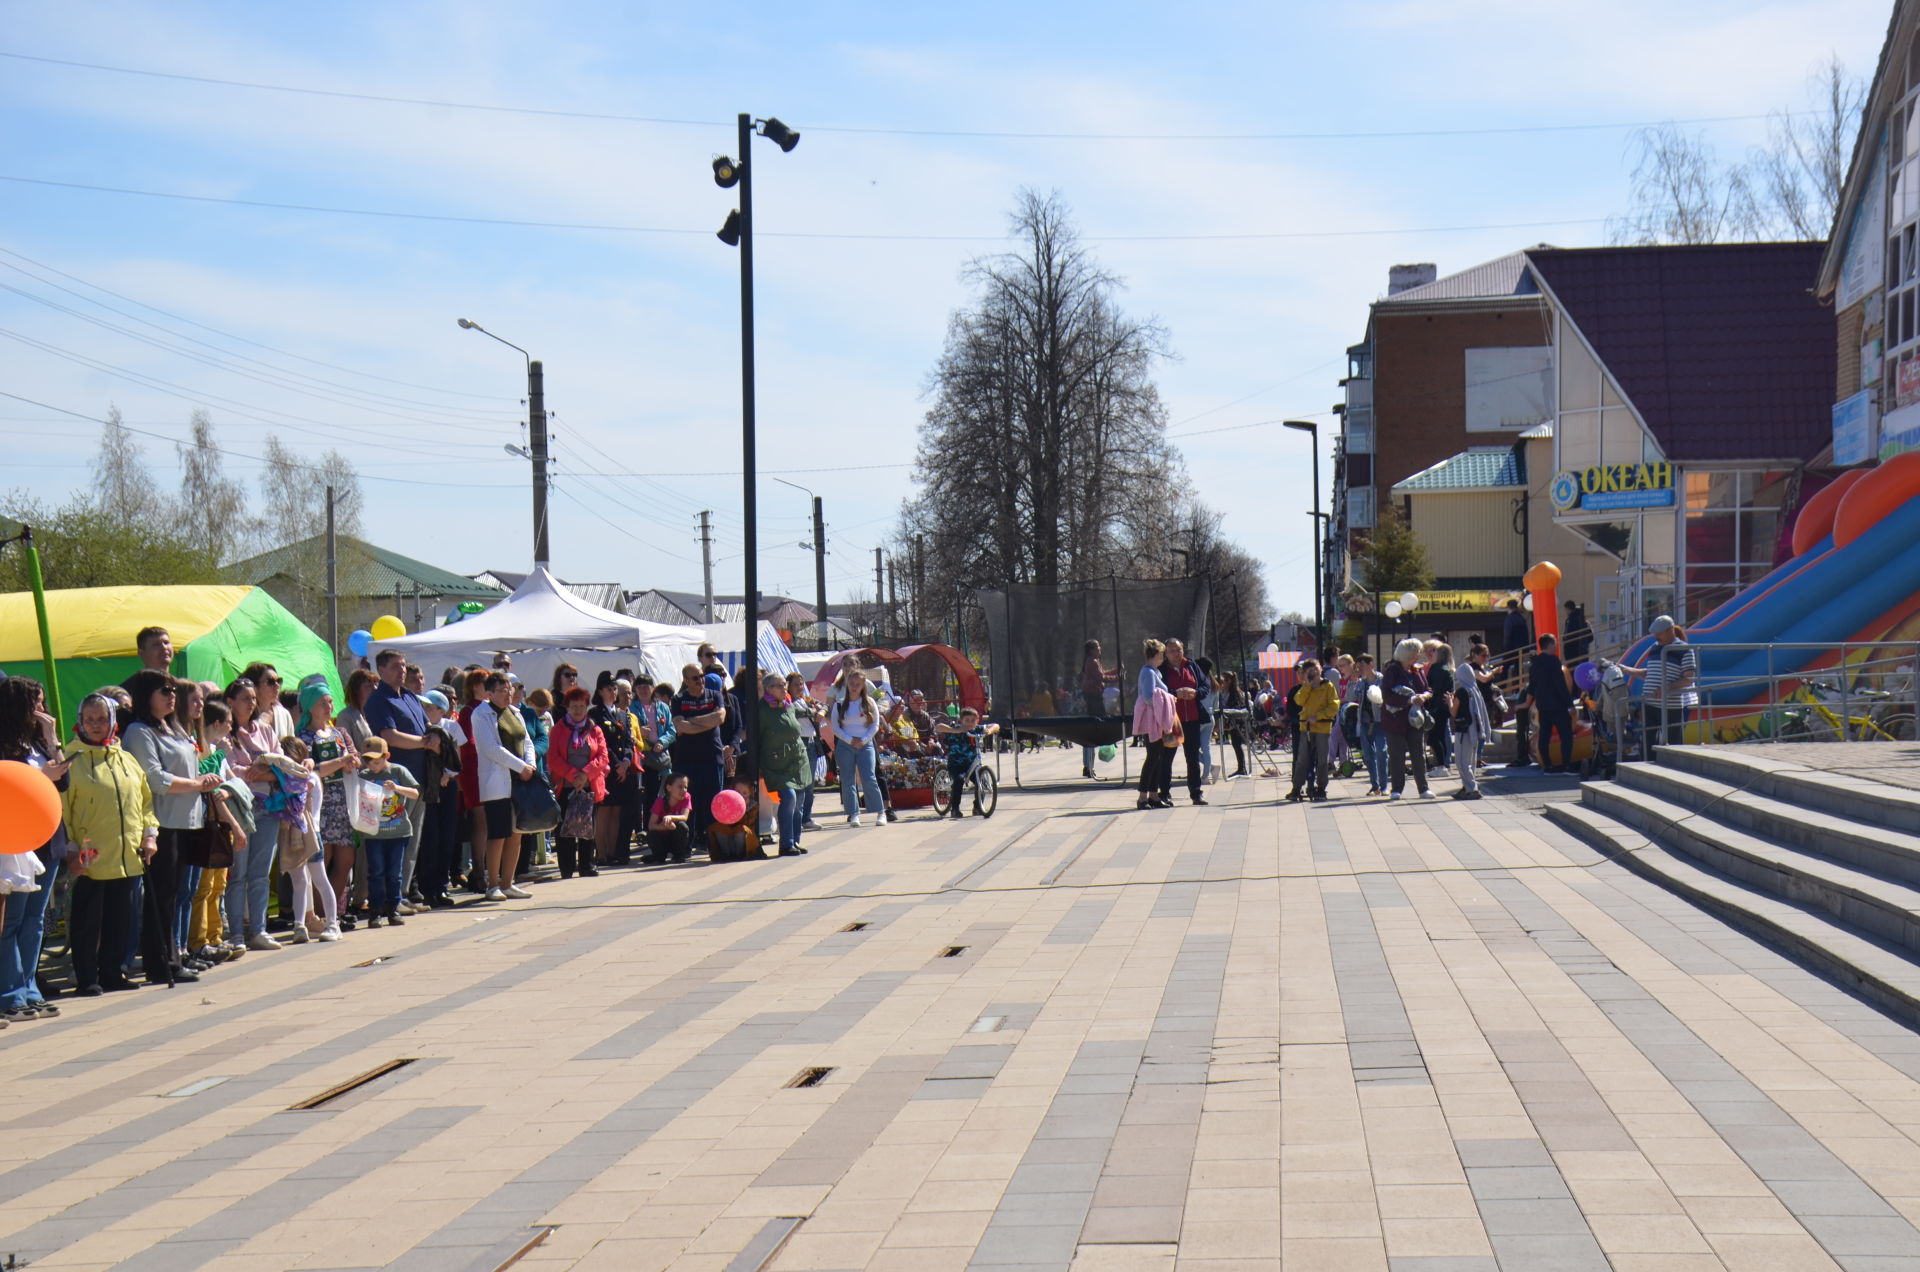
[(167, 758), (250, 878)]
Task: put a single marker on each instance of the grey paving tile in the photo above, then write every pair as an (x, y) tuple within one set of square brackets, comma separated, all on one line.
[(1510, 1183), (1531, 1216), (1884, 1236)]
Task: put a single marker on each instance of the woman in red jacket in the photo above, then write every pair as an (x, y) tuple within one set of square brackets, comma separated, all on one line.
[(577, 761)]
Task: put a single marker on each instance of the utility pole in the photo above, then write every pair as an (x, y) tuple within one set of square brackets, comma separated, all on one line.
[(333, 584), (537, 446), (820, 565), (879, 588), (706, 563), (893, 595)]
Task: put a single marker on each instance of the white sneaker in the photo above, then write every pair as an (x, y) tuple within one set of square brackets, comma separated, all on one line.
[(854, 822), (495, 894), (300, 934), (516, 892), (1392, 797), (1428, 794), (331, 932), (261, 941)]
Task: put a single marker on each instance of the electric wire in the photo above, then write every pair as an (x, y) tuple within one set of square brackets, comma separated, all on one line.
[(874, 130), (244, 410), (448, 217), (258, 459), (168, 313), (359, 402)]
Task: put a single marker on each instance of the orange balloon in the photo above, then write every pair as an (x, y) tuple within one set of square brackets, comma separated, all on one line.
[(1815, 521), (29, 807), (1875, 495), (1543, 577)]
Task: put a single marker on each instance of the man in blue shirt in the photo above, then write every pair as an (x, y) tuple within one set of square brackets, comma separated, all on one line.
[(400, 718)]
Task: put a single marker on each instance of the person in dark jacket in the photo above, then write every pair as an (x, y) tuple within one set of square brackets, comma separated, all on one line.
[(1547, 693), (1190, 693), (1515, 638)]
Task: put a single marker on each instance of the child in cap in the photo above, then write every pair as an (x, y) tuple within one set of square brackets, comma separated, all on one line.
[(386, 846)]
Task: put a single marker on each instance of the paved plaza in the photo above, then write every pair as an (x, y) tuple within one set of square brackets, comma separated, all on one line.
[(1416, 1037)]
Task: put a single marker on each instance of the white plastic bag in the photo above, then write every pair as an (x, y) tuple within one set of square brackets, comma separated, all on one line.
[(363, 804)]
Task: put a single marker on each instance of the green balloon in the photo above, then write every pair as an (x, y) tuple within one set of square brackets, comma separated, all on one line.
[(1106, 753)]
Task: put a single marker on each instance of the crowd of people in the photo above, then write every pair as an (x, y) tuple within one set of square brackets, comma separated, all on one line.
[(1420, 717), (202, 821)]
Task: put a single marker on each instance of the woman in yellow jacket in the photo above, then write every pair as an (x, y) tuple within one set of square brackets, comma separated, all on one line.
[(113, 832), (1319, 708)]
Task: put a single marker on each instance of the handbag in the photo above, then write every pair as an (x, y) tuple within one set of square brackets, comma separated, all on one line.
[(534, 808), (656, 761), (578, 822), (211, 846)]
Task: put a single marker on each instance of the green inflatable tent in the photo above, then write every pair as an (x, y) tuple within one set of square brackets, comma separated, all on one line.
[(217, 631)]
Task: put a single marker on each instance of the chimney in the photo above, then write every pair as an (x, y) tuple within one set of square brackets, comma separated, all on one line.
[(1403, 277)]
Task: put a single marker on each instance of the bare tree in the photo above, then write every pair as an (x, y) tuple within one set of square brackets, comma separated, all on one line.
[(1044, 452), (294, 495), (213, 507), (1800, 172), (1682, 194), (1787, 189)]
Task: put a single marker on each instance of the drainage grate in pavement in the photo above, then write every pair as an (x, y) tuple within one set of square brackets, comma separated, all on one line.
[(809, 1076), (351, 1085), (855, 927), (953, 951)]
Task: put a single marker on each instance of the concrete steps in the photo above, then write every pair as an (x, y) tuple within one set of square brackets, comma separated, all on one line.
[(1877, 972), (1823, 866)]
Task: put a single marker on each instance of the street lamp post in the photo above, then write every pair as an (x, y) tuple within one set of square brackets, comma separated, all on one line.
[(536, 442), (1313, 432), (819, 546), (1321, 521), (738, 232)]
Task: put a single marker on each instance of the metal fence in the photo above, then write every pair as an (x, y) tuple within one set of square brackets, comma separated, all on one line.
[(1783, 692)]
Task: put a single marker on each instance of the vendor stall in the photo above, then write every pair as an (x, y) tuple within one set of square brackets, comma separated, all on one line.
[(542, 625)]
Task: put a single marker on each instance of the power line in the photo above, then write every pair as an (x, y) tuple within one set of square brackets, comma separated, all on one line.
[(358, 400), (331, 366), (245, 410), (792, 234), (874, 130), (258, 459)]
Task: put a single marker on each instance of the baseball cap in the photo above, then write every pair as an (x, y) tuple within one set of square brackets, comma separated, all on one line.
[(435, 698), (373, 748), (1664, 623)]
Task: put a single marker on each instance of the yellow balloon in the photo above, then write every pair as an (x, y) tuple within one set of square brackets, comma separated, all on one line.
[(387, 627)]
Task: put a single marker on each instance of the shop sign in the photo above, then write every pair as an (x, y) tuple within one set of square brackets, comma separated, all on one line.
[(1907, 384), (1853, 429), (1607, 487)]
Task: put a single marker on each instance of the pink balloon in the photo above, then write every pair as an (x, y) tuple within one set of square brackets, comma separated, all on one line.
[(728, 806)]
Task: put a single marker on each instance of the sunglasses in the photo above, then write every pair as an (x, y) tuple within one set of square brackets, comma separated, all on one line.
[(169, 690)]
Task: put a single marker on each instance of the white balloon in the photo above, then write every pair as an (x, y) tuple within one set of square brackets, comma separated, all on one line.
[(1393, 609), (1374, 695), (1409, 601), (1527, 604), (1272, 648)]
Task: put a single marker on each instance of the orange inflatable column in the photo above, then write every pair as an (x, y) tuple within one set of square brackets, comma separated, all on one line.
[(1542, 582)]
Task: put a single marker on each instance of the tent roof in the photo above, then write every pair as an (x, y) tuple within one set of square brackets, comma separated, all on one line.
[(100, 622), (366, 569), (542, 614)]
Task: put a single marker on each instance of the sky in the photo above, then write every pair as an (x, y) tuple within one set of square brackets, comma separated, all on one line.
[(1249, 170)]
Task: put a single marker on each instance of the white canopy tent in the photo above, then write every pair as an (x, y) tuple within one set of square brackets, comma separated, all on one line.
[(542, 625)]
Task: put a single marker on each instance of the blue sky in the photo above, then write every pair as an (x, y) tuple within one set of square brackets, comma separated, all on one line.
[(639, 331)]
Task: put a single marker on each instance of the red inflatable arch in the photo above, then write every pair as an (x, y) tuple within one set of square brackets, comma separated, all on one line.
[(972, 692)]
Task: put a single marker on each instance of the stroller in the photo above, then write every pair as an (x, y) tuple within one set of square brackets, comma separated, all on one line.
[(1616, 726)]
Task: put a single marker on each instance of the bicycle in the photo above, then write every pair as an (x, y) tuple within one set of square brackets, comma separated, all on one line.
[(986, 788), (1817, 722)]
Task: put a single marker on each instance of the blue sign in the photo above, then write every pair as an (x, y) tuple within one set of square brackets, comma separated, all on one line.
[(1853, 429), (1613, 500)]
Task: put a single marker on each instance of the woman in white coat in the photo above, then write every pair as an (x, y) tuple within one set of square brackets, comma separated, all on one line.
[(506, 752)]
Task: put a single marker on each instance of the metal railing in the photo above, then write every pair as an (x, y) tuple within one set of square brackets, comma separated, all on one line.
[(1859, 692)]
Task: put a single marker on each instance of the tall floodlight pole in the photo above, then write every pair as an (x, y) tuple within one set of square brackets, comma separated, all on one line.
[(738, 232)]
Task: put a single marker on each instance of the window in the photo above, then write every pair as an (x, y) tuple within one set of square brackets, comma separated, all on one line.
[(1509, 389), (1901, 383), (1733, 521)]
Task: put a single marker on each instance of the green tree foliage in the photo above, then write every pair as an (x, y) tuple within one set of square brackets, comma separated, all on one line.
[(1394, 560)]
